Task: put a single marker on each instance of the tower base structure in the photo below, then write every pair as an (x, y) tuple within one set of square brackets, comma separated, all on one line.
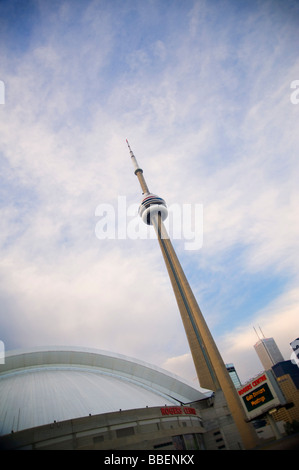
[(221, 430)]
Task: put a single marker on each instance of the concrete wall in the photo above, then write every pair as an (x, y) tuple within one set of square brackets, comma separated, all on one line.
[(144, 429)]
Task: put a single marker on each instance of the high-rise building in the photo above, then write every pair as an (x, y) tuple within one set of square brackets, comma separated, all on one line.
[(233, 375), (211, 371), (268, 352), (287, 376)]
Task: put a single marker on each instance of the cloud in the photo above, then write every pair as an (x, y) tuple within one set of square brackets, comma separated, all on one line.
[(182, 366), (278, 320), (109, 301), (203, 96)]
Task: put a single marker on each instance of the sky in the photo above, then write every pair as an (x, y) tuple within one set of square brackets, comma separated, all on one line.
[(206, 93)]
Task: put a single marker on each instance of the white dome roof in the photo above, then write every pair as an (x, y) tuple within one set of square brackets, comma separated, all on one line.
[(42, 386)]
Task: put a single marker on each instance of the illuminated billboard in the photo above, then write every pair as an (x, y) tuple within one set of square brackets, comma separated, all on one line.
[(260, 395)]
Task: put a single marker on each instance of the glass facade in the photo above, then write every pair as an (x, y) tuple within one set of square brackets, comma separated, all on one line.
[(233, 375)]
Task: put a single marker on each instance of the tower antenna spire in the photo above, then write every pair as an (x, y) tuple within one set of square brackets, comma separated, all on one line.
[(138, 171), (262, 332), (256, 333)]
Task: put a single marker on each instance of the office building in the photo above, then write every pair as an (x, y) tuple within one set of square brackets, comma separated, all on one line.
[(268, 352), (233, 375), (287, 376)]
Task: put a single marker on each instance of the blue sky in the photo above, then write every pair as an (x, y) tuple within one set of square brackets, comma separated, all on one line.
[(202, 91)]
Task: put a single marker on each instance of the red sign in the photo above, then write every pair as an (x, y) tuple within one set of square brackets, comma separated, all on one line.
[(178, 410), (252, 384)]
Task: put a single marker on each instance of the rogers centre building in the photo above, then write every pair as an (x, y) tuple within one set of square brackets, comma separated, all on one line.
[(58, 398)]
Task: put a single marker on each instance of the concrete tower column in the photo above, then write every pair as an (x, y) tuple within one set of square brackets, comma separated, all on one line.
[(211, 370)]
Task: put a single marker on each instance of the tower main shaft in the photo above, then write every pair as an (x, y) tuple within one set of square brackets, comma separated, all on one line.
[(210, 368)]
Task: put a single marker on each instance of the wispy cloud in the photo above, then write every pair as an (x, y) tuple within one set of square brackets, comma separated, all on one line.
[(202, 92)]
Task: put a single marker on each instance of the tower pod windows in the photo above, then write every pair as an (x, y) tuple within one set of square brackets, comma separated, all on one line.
[(152, 204)]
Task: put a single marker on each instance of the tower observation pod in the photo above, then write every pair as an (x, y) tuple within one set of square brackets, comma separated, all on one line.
[(151, 207), (210, 367)]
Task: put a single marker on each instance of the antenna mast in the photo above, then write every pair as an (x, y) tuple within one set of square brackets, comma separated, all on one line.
[(262, 332), (256, 333), (138, 171)]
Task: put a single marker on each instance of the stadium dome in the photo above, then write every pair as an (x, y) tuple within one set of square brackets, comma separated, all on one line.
[(43, 386)]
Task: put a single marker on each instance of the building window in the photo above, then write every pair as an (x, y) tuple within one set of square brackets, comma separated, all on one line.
[(165, 444), (98, 439), (124, 432)]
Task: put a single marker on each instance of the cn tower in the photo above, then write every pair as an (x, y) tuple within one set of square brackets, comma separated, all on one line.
[(210, 368)]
